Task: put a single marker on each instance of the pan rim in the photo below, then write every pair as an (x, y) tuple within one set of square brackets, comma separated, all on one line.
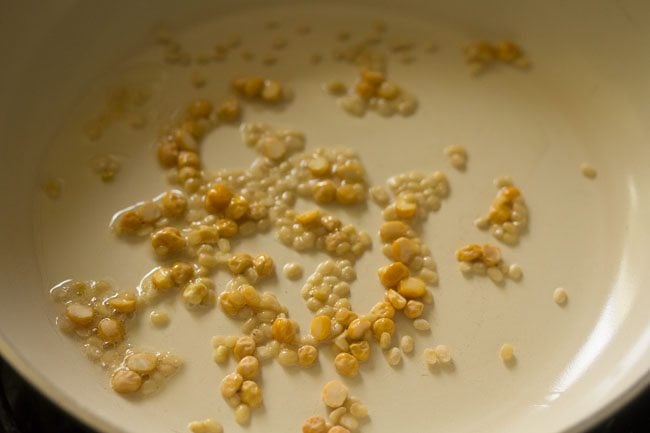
[(70, 406)]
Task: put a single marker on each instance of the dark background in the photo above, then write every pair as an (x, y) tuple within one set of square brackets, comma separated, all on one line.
[(23, 410)]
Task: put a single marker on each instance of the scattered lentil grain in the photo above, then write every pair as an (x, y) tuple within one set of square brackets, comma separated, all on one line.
[(560, 296), (588, 170), (293, 270), (206, 426), (506, 352)]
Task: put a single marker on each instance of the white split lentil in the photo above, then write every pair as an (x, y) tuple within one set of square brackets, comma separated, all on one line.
[(220, 354), (515, 272), (206, 426), (242, 414), (126, 381), (349, 422), (159, 318), (385, 341), (421, 325), (336, 414), (358, 410), (443, 354), (429, 356), (407, 344), (293, 270), (457, 156), (288, 357), (394, 356), (560, 296), (319, 230), (334, 394), (379, 195)]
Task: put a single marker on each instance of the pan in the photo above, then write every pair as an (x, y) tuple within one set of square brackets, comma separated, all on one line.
[(549, 100)]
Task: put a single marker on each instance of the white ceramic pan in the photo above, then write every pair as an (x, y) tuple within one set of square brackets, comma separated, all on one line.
[(586, 98)]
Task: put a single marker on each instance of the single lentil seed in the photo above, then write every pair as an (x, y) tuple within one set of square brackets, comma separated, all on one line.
[(588, 170), (421, 325), (207, 426), (560, 296), (515, 272), (336, 414), (349, 422), (429, 356), (443, 354), (159, 318), (334, 394), (358, 410), (407, 344), (506, 352), (293, 270), (314, 424), (394, 356), (242, 414)]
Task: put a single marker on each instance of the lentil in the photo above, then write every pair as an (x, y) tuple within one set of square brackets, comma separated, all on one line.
[(293, 271), (390, 275), (242, 414), (334, 394), (588, 170), (126, 381), (110, 330), (288, 357), (507, 218), (251, 394), (457, 156), (411, 287), (142, 363), (429, 356), (206, 426), (244, 346), (486, 260), (307, 355), (358, 410), (482, 55), (321, 327), (421, 325), (394, 356), (407, 344), (248, 367), (79, 314), (372, 91), (385, 340), (360, 350), (167, 242), (506, 352), (314, 424), (443, 354), (346, 364), (560, 296), (220, 354)]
